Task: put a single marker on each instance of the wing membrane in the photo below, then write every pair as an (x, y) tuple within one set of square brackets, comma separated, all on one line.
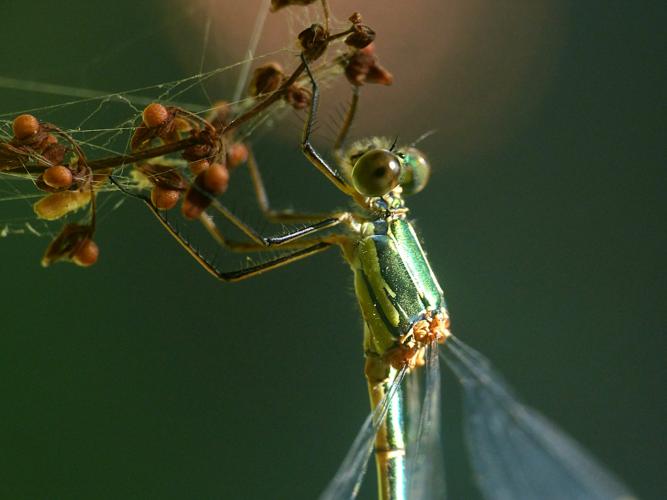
[(516, 453), (426, 471), (345, 484)]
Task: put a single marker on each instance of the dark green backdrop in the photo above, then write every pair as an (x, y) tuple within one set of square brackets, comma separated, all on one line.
[(144, 378)]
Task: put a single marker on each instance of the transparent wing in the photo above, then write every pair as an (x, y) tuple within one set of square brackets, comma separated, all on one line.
[(345, 484), (515, 452), (426, 470)]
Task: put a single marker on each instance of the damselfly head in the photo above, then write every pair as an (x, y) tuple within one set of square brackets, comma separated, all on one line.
[(375, 168)]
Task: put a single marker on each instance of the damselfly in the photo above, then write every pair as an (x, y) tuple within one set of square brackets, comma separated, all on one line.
[(516, 453)]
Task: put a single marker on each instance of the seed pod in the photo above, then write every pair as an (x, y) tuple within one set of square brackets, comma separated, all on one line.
[(313, 41), (73, 243), (363, 67), (155, 115), (25, 126), (164, 199), (198, 166), (215, 179), (86, 254), (58, 177), (361, 37), (266, 79), (194, 203), (298, 97), (237, 154), (209, 183), (378, 74)]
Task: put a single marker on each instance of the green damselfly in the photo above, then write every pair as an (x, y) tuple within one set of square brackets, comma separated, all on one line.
[(514, 451)]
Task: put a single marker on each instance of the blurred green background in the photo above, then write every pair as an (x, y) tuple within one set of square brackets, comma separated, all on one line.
[(144, 378)]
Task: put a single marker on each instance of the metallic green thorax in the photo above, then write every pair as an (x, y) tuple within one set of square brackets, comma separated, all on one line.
[(393, 281)]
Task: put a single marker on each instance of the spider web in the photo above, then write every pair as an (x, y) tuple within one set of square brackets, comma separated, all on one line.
[(102, 122)]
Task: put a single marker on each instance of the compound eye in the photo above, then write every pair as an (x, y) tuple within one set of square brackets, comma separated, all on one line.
[(376, 172), (415, 172)]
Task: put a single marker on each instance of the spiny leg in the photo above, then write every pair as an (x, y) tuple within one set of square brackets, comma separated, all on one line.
[(322, 221), (309, 247), (249, 246), (276, 241), (309, 150), (257, 239), (265, 206), (298, 238), (248, 272)]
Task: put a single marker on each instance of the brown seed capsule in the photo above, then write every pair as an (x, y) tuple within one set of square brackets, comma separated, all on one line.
[(363, 67), (164, 199), (361, 37), (237, 153), (215, 179), (313, 41), (379, 74), (266, 79), (58, 176), (25, 126), (190, 208), (86, 254), (155, 115), (198, 166), (298, 97)]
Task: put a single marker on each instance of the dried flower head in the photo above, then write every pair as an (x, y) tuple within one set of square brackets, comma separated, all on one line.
[(72, 244), (314, 41), (266, 79), (361, 36), (298, 97), (363, 67)]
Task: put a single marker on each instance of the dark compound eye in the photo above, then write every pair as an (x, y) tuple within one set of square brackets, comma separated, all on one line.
[(415, 172), (376, 172)]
